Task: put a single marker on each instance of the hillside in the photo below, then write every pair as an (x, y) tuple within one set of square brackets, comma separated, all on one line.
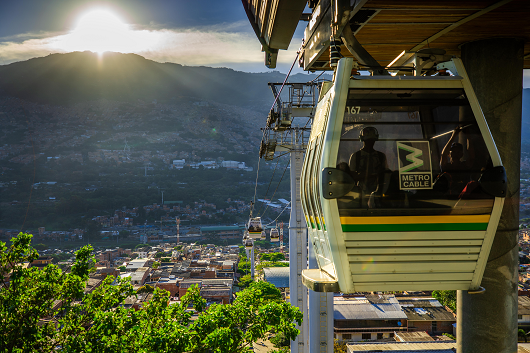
[(84, 76)]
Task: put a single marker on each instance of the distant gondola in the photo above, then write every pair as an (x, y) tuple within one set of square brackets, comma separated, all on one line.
[(248, 244), (275, 235), (254, 228)]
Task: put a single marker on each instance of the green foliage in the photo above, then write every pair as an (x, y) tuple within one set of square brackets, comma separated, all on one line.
[(146, 288), (122, 268), (446, 297), (155, 265), (60, 257), (273, 257), (41, 246), (243, 267), (280, 341), (268, 290), (449, 335), (339, 346), (165, 259), (271, 264), (178, 247), (245, 281), (160, 254), (97, 321)]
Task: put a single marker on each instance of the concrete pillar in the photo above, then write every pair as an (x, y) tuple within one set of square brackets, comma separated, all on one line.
[(252, 261), (320, 337), (487, 322), (297, 250)]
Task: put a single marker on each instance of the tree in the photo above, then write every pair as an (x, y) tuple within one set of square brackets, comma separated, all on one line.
[(245, 281), (97, 321), (41, 246), (259, 268), (339, 346), (272, 257), (446, 297), (243, 267), (146, 288)]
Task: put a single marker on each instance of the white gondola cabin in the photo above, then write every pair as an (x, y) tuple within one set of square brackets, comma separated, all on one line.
[(248, 244), (402, 185), (254, 228), (275, 235)]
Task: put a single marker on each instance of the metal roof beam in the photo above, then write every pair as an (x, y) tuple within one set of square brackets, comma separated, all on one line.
[(360, 53), (459, 23)]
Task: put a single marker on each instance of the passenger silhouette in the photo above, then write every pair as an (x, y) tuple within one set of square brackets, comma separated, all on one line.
[(456, 170), (368, 166)]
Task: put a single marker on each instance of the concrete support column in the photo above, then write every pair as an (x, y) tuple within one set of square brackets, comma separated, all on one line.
[(320, 337), (487, 322), (252, 260), (297, 250)]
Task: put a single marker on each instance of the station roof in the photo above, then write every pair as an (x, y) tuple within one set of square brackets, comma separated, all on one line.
[(523, 307), (403, 347), (363, 309), (278, 276), (385, 28)]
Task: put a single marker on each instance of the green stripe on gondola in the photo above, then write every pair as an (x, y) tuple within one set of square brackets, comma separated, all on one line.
[(413, 227)]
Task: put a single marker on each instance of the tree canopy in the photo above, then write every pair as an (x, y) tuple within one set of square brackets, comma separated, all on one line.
[(272, 257), (446, 297), (48, 310)]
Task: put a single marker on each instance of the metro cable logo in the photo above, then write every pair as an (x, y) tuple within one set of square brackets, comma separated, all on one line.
[(412, 157), (415, 170)]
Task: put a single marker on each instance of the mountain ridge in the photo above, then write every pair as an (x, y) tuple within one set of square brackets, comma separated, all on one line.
[(81, 76)]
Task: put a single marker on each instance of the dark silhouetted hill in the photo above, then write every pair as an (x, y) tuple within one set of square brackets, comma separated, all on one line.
[(85, 76)]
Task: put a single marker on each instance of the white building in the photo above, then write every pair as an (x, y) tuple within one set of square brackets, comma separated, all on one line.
[(179, 163)]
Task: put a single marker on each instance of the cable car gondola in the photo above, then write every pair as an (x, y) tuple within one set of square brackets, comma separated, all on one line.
[(402, 185), (248, 244), (275, 235), (263, 235), (254, 228)]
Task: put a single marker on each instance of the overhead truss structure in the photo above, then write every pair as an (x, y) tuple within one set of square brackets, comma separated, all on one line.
[(376, 32)]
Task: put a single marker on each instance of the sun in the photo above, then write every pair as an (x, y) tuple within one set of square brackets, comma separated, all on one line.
[(100, 30)]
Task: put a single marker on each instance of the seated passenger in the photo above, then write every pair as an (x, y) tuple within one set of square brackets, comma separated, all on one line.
[(456, 170), (368, 167)]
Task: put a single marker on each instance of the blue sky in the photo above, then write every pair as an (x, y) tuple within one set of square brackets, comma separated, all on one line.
[(212, 33)]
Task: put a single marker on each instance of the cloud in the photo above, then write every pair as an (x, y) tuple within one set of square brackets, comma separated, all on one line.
[(27, 49), (228, 45)]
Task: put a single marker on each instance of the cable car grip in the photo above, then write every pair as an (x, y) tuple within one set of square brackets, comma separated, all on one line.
[(336, 183)]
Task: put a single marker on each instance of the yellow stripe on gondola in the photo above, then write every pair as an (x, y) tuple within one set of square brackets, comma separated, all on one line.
[(416, 219)]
